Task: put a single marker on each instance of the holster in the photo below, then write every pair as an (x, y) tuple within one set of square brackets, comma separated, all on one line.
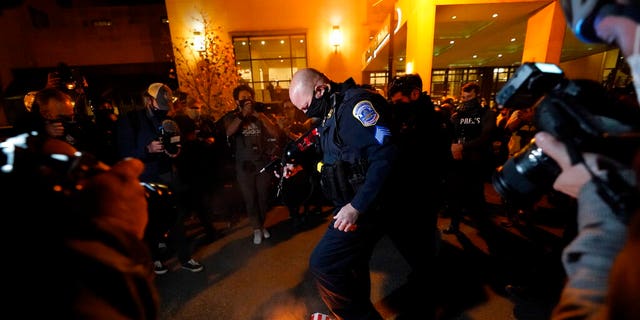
[(340, 181)]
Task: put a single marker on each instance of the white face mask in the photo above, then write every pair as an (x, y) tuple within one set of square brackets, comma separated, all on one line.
[(634, 63)]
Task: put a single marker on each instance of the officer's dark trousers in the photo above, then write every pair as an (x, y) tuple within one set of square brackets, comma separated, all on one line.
[(340, 265)]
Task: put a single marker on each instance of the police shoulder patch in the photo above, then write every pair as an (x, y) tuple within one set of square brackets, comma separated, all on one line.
[(365, 113)]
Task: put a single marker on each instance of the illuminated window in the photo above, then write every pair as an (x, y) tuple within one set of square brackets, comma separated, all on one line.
[(267, 62)]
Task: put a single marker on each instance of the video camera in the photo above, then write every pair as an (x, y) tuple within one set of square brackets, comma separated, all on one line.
[(170, 136), (579, 113)]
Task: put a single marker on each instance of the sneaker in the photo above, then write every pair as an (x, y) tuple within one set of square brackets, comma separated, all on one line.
[(257, 236), (193, 266), (265, 233), (320, 316), (159, 268)]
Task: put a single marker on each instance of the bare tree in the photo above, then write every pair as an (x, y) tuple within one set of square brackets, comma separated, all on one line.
[(206, 68)]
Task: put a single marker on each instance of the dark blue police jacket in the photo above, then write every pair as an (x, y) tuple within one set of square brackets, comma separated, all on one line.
[(356, 128)]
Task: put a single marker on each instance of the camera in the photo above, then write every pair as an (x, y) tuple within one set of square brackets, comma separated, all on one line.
[(170, 136), (579, 113), (38, 180), (68, 79), (52, 176), (257, 106)]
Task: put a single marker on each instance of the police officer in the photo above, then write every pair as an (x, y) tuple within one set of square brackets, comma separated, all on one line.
[(416, 184), (357, 154)]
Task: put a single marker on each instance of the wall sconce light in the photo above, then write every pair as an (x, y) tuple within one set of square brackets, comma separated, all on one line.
[(198, 41), (336, 38)]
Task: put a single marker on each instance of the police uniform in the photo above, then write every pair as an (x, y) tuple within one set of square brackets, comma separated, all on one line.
[(355, 141)]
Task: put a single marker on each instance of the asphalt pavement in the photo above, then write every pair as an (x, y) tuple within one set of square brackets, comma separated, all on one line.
[(244, 281)]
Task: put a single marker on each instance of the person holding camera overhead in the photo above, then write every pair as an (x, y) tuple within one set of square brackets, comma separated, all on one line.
[(151, 135), (247, 132)]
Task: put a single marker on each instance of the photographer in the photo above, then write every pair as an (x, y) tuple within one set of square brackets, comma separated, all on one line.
[(73, 83), (589, 149), (87, 230), (593, 282), (151, 135), (52, 114), (581, 117), (601, 262), (248, 132)]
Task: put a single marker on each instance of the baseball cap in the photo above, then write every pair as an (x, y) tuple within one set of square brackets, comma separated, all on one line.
[(162, 94), (154, 88)]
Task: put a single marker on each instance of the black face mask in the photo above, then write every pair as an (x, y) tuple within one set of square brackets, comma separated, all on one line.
[(319, 107), (160, 114), (402, 110), (473, 103)]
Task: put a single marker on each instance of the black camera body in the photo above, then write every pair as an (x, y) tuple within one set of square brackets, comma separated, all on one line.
[(171, 142), (39, 181), (68, 79), (577, 112), (170, 136)]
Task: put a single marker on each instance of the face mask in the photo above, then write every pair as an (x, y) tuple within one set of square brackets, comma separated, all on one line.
[(401, 105), (319, 107), (245, 103), (160, 113), (470, 104)]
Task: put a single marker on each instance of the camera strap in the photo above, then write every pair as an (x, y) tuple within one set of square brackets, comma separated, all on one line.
[(621, 196)]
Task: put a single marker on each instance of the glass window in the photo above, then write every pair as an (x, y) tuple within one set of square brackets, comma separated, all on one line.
[(449, 82), (267, 62), (241, 48), (378, 79)]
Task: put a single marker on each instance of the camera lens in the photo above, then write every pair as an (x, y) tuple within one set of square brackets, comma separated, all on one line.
[(526, 177)]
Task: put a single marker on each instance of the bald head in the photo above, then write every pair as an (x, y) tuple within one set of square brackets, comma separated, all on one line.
[(303, 86)]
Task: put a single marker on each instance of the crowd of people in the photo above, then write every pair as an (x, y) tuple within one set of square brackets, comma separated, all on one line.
[(157, 165)]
